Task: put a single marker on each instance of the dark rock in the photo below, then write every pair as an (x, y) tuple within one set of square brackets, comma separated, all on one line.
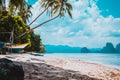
[(10, 70), (109, 48), (84, 50), (118, 47)]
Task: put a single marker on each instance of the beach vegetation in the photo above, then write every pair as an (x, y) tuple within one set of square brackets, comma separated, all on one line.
[(18, 13), (9, 22)]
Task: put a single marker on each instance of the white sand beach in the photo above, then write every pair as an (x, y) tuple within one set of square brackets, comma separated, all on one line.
[(46, 68)]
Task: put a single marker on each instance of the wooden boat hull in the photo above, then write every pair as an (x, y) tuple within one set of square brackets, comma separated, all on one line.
[(15, 48)]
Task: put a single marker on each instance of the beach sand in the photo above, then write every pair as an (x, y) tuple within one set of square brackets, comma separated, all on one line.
[(46, 68)]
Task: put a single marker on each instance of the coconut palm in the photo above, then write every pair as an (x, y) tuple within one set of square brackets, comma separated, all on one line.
[(25, 13), (57, 8), (16, 4), (2, 4), (13, 5), (21, 8), (53, 6), (46, 4)]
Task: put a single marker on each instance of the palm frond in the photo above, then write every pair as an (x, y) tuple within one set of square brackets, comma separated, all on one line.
[(69, 13)]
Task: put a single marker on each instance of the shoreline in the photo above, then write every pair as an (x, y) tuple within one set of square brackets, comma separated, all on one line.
[(93, 62), (94, 70), (96, 62), (106, 63)]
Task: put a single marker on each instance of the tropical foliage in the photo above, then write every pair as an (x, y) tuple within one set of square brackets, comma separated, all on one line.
[(36, 44), (17, 7), (8, 23), (55, 8), (16, 14)]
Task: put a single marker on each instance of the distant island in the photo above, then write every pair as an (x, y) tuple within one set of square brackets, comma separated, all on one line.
[(61, 49), (108, 48)]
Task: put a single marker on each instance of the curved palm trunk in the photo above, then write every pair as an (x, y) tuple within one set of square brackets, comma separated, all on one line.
[(38, 17), (42, 22), (36, 27)]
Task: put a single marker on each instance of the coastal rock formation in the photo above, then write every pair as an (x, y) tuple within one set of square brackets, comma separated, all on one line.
[(10, 70), (109, 48), (118, 47), (84, 50)]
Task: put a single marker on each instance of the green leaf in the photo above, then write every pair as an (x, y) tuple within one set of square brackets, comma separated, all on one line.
[(69, 13), (69, 6)]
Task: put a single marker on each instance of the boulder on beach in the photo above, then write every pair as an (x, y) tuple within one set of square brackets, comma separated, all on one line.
[(10, 70)]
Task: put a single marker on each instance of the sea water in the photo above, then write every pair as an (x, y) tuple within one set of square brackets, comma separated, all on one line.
[(110, 59)]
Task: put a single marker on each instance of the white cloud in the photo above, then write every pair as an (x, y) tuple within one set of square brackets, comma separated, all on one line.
[(87, 28)]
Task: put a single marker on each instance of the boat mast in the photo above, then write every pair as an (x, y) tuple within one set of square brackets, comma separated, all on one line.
[(11, 40), (12, 36)]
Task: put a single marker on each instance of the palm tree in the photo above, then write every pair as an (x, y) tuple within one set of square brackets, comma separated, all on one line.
[(57, 8), (46, 4), (2, 4), (25, 13), (53, 5), (16, 4), (13, 5)]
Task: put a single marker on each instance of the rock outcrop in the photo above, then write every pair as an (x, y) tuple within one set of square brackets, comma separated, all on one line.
[(10, 70), (84, 50), (109, 48), (118, 47)]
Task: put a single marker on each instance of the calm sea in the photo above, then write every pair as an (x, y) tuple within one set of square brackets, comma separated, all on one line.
[(110, 59)]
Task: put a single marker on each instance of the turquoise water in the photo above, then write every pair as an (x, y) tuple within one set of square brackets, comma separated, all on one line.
[(111, 59)]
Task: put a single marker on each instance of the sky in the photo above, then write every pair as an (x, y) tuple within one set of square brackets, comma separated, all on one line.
[(94, 23)]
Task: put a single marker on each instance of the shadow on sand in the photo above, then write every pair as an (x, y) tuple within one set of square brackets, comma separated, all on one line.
[(42, 71)]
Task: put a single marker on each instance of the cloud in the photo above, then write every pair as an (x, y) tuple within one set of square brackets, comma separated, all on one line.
[(87, 27), (114, 33)]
